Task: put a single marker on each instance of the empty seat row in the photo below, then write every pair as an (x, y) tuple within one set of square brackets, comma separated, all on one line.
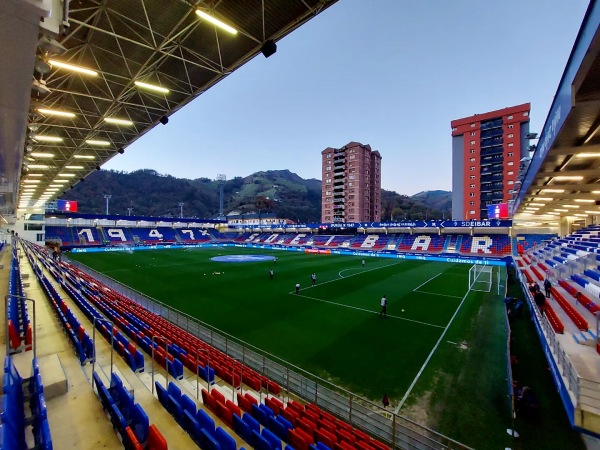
[(19, 421), (128, 418)]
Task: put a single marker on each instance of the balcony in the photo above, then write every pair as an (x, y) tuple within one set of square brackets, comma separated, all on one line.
[(491, 142), (496, 132), (489, 124), (490, 161), (489, 178), (491, 151)]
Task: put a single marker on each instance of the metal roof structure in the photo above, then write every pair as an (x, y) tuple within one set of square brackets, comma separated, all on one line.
[(94, 116), (562, 179)]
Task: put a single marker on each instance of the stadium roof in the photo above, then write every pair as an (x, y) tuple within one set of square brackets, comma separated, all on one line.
[(562, 179), (162, 43)]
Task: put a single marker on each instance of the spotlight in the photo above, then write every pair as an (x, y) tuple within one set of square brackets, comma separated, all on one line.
[(97, 167), (121, 150), (268, 48), (71, 187), (82, 180), (164, 120)]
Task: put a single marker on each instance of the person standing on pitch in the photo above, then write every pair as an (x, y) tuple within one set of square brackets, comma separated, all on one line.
[(271, 274), (297, 288), (363, 263), (383, 307), (313, 277)]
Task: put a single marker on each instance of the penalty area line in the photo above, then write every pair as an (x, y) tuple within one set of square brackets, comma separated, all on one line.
[(364, 310), (412, 385)]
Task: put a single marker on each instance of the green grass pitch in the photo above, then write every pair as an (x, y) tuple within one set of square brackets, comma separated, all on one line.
[(332, 329)]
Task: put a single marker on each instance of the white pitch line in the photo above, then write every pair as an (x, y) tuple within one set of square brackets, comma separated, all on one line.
[(435, 293), (412, 385), (365, 310), (435, 276), (361, 271)]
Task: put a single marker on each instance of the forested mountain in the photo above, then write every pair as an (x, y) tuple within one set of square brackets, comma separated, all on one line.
[(149, 193)]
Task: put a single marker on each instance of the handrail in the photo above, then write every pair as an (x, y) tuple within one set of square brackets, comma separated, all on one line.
[(397, 431)]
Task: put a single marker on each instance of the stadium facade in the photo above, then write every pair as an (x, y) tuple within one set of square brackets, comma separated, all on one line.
[(351, 187), (486, 152)]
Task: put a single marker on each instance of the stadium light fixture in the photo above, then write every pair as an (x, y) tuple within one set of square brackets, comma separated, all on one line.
[(35, 174), (581, 215), (60, 181), (116, 121), (74, 167), (151, 87), (557, 191), (51, 190), (73, 68), (588, 155), (66, 175), (585, 200), (554, 213), (593, 212), (42, 138), (84, 157), (55, 185), (38, 166), (216, 22), (544, 199), (571, 206), (31, 181), (561, 210), (55, 112), (536, 204), (98, 142), (568, 177), (42, 155)]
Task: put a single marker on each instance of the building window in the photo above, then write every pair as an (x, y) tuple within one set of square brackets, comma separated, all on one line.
[(472, 160), (472, 177), (510, 163), (471, 212), (472, 142), (328, 180), (525, 114), (510, 144), (328, 155), (509, 117), (510, 154), (472, 133), (454, 128), (352, 156), (511, 126), (39, 237), (328, 193), (471, 168), (510, 173), (511, 182), (472, 186), (511, 135), (472, 194), (472, 125), (471, 203), (472, 150)]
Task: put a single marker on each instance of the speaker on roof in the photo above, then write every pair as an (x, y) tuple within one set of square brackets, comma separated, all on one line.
[(268, 48), (121, 150), (97, 167), (164, 120)]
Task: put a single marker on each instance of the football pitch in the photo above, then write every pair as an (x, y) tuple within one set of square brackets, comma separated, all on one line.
[(332, 329)]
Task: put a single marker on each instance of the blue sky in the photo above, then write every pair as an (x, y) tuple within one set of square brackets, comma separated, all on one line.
[(389, 73)]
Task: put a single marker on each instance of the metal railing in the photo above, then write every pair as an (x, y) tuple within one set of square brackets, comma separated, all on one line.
[(568, 371), (391, 428)]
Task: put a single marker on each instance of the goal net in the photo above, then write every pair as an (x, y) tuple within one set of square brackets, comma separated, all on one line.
[(480, 278)]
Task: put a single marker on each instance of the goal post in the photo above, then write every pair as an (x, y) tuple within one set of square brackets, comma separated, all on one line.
[(481, 278)]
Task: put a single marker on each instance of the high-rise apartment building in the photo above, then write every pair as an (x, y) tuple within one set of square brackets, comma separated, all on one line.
[(351, 188), (486, 152)]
